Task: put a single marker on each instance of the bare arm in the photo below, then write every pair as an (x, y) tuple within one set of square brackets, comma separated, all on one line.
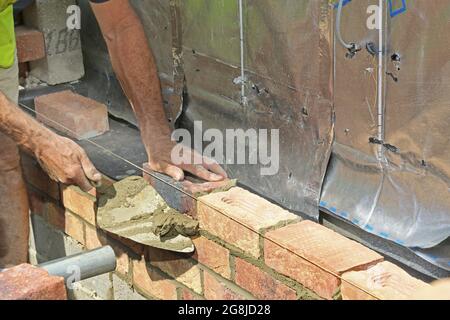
[(135, 67), (63, 159)]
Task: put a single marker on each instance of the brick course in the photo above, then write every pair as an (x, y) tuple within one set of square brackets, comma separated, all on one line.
[(238, 217), (315, 256), (230, 261)]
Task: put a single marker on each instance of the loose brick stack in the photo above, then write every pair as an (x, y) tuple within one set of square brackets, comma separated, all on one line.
[(248, 248)]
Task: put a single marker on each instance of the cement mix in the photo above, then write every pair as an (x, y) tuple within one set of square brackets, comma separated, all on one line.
[(131, 208)]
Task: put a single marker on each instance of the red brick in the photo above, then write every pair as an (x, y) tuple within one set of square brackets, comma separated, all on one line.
[(188, 295), (177, 266), (238, 216), (218, 289), (35, 176), (74, 227), (260, 284), (25, 282), (94, 238), (152, 283), (30, 44), (80, 203), (77, 116), (312, 255), (213, 256), (384, 281)]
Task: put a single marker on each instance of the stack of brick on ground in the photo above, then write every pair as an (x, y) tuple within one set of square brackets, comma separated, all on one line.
[(248, 248)]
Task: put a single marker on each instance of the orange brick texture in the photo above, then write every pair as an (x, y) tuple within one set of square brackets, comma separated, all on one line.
[(248, 248)]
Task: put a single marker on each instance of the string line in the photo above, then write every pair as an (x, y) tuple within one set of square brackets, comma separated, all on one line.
[(198, 199)]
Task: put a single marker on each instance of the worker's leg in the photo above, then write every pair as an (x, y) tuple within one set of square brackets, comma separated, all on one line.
[(14, 209)]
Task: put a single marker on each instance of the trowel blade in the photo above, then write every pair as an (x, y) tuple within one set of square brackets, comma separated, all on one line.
[(127, 209), (139, 232)]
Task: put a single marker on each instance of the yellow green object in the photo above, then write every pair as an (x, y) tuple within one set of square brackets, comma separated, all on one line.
[(7, 36)]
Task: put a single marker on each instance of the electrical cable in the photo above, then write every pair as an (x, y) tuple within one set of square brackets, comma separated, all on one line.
[(351, 47)]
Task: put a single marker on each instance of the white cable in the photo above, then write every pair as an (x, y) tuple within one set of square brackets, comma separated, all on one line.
[(338, 26), (241, 31), (380, 80)]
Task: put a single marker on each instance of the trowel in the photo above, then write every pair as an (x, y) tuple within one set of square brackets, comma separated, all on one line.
[(132, 209)]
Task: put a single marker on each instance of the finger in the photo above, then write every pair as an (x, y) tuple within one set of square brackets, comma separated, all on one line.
[(89, 170), (213, 166), (82, 181), (202, 172), (173, 171)]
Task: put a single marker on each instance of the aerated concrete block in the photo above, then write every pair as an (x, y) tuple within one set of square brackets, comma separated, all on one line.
[(64, 60)]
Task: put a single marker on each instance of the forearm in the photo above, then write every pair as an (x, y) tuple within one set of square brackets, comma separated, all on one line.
[(135, 67), (19, 126)]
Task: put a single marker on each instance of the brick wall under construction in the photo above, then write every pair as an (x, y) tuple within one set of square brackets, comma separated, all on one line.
[(248, 248)]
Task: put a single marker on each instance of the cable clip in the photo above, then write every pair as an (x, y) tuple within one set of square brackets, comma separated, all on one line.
[(354, 48)]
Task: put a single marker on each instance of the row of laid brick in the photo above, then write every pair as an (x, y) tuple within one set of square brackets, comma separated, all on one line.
[(307, 252), (73, 212), (209, 265), (303, 251)]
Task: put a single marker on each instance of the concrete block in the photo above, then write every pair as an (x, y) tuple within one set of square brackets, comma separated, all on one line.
[(78, 292), (98, 288), (76, 116), (64, 59), (49, 243), (123, 291)]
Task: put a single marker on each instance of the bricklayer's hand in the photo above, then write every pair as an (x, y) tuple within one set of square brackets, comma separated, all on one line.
[(162, 159), (66, 162)]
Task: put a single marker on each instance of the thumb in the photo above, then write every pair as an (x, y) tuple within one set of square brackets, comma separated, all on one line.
[(89, 170)]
